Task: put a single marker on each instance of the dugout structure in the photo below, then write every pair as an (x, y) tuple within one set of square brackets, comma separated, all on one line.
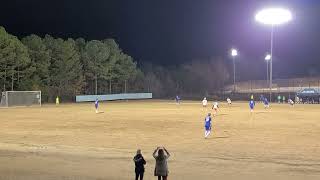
[(20, 98)]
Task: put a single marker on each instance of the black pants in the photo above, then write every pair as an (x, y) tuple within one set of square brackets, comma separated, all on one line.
[(163, 177), (139, 174)]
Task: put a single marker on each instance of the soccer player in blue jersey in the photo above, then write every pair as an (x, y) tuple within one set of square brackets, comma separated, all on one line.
[(265, 103), (178, 99), (96, 105), (207, 125), (251, 105), (261, 98)]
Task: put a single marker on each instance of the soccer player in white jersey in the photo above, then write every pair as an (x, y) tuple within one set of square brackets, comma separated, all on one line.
[(204, 102), (229, 101), (290, 102), (215, 108)]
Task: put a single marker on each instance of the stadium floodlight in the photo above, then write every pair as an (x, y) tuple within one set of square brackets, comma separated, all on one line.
[(273, 17), (234, 53), (268, 57)]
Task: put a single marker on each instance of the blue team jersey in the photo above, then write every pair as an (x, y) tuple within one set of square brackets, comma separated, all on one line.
[(96, 103), (265, 101), (207, 121), (251, 104)]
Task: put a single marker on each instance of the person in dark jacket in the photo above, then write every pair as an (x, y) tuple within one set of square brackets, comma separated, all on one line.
[(139, 164)]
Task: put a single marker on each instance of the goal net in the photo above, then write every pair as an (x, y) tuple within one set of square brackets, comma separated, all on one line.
[(20, 98)]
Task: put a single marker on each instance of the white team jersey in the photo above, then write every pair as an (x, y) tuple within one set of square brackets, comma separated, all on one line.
[(229, 101), (215, 105), (204, 102), (291, 102)]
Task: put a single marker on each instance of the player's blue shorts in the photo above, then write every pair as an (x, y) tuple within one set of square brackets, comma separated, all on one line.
[(96, 105), (208, 128), (251, 107)]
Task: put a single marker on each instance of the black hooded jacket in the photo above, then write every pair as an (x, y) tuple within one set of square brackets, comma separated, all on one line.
[(139, 163)]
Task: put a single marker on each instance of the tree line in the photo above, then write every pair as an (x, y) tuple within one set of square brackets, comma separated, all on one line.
[(194, 79), (61, 67), (69, 67)]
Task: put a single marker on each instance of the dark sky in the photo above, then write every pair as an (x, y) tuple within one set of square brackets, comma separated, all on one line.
[(171, 32)]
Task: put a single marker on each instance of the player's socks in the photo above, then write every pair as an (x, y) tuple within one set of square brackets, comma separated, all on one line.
[(206, 134)]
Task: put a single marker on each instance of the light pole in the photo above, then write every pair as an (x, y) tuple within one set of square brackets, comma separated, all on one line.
[(273, 17), (234, 53), (267, 58)]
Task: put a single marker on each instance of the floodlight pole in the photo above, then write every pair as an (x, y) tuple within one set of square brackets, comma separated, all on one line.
[(234, 74), (271, 58), (273, 16), (267, 72)]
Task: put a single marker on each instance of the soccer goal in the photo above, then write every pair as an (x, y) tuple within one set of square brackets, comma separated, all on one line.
[(20, 98)]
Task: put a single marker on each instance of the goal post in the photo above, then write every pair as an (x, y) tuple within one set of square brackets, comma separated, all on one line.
[(21, 98)]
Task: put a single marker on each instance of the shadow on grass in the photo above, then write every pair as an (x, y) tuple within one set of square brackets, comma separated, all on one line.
[(221, 115), (220, 137), (261, 112)]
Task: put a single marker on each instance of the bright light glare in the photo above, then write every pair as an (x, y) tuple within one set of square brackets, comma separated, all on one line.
[(268, 57), (234, 52), (273, 16)]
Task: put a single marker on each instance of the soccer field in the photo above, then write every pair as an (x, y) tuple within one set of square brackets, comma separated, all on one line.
[(72, 142)]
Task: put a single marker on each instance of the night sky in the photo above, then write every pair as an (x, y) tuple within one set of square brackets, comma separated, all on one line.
[(170, 32)]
